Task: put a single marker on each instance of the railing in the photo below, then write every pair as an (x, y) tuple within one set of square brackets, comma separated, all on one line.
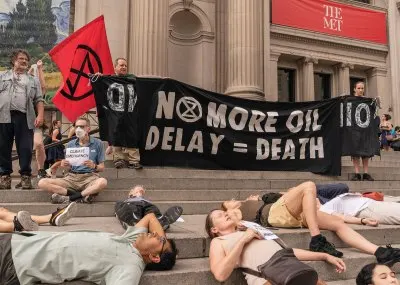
[(64, 141)]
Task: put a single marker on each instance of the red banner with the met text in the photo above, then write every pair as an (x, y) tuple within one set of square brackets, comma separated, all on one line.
[(332, 18)]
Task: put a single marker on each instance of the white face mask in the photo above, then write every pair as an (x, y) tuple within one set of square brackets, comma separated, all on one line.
[(80, 133)]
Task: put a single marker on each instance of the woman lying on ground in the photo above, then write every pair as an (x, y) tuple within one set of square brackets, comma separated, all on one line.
[(298, 208), (231, 248), (24, 221), (376, 274)]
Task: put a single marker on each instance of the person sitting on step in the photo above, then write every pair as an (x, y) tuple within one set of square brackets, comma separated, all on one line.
[(98, 257), (376, 274), (298, 208), (24, 221), (82, 182), (231, 248), (131, 210)]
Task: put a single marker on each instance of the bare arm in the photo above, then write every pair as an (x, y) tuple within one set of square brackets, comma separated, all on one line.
[(222, 265), (305, 255), (151, 222), (41, 76)]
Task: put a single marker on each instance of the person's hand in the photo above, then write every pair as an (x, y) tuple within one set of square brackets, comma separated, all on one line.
[(109, 150), (98, 74), (90, 164), (39, 64), (370, 222), (337, 262), (65, 163), (38, 121), (249, 235), (253, 198)]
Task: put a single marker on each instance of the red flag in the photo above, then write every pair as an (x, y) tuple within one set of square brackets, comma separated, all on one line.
[(84, 52)]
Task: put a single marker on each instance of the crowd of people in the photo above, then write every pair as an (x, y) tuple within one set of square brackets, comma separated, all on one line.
[(28, 256)]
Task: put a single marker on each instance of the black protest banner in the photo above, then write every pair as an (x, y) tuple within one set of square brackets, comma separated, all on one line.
[(180, 125), (359, 127)]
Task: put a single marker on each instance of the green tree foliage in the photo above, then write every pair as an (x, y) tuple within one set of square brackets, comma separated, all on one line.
[(31, 27)]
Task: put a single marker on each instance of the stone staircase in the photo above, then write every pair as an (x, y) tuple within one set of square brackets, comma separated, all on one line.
[(199, 191)]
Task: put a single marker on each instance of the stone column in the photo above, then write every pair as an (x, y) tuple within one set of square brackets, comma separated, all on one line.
[(343, 79), (306, 65), (270, 89), (221, 44), (149, 38), (245, 43), (273, 77), (394, 52), (377, 85)]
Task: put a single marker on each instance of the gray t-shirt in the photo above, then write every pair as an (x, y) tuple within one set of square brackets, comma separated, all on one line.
[(99, 257), (19, 94)]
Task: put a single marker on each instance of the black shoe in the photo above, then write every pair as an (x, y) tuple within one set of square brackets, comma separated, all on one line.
[(356, 177), (170, 216), (18, 185), (322, 245), (388, 255), (62, 215), (367, 177), (42, 174), (5, 182), (86, 200), (135, 165)]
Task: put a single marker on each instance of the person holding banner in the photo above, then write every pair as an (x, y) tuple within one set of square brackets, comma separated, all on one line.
[(359, 92), (125, 156), (84, 158), (231, 248), (21, 110), (297, 208)]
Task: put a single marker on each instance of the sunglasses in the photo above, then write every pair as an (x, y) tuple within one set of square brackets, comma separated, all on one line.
[(163, 239)]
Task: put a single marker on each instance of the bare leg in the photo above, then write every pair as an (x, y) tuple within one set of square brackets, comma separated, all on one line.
[(6, 227), (302, 199), (365, 162), (54, 167), (95, 187), (345, 233), (356, 164), (53, 186), (39, 149), (8, 216)]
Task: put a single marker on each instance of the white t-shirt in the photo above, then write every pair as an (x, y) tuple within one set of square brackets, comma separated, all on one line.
[(348, 204)]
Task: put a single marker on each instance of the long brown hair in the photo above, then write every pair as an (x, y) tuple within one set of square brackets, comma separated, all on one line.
[(52, 127), (210, 224)]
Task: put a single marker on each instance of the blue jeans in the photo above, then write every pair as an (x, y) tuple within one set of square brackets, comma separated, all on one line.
[(326, 192)]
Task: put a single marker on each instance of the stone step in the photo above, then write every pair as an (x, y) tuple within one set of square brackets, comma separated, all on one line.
[(110, 195), (193, 242)]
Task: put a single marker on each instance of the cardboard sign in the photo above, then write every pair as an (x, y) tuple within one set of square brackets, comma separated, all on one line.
[(77, 156), (265, 233)]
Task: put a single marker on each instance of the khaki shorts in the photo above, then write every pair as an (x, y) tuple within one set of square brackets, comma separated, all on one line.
[(280, 217), (77, 182)]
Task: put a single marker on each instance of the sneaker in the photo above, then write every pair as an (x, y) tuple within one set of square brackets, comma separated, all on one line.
[(59, 199), (322, 245), (42, 174), (86, 200), (5, 182), (62, 215), (367, 177), (118, 164), (18, 185), (387, 255), (23, 222), (356, 177), (135, 165), (170, 216), (26, 182)]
